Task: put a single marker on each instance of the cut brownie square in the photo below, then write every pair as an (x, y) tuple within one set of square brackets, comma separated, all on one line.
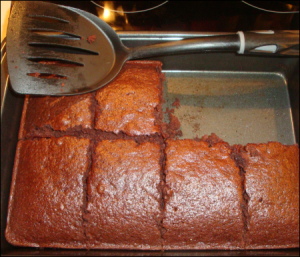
[(124, 196), (203, 197), (131, 103), (43, 116), (272, 185), (47, 193)]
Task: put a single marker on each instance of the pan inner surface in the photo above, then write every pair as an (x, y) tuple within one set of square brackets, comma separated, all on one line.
[(239, 107)]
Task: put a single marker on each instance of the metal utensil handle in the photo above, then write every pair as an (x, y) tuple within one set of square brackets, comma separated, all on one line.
[(202, 44), (270, 42)]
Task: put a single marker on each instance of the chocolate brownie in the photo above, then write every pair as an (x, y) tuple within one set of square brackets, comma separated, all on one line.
[(124, 197), (47, 193), (42, 116), (131, 103), (272, 185), (203, 197)]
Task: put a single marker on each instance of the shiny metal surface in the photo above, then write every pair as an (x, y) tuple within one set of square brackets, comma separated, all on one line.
[(23, 44), (4, 73), (240, 107)]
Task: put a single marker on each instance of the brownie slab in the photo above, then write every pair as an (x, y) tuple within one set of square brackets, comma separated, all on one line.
[(47, 193), (44, 115), (272, 184), (131, 103), (203, 197), (124, 196)]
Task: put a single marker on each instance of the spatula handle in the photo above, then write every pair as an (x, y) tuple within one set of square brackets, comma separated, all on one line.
[(255, 42), (202, 44), (285, 42)]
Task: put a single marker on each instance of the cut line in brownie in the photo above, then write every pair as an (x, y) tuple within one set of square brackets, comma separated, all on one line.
[(101, 135), (50, 116), (47, 198), (271, 174), (124, 209), (203, 197), (132, 102)]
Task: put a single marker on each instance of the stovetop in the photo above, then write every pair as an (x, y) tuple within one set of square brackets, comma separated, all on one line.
[(204, 16)]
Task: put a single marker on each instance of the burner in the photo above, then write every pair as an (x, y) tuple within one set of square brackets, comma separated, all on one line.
[(204, 16)]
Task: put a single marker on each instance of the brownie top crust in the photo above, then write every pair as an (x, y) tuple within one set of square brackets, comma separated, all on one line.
[(203, 197), (272, 185), (124, 207), (43, 115), (46, 200), (131, 103)]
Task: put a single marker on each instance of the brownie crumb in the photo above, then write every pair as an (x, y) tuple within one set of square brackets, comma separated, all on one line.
[(58, 63), (169, 111), (174, 122), (212, 139), (197, 138), (91, 39), (36, 74), (176, 103), (47, 62), (239, 155), (171, 129), (52, 76), (46, 76)]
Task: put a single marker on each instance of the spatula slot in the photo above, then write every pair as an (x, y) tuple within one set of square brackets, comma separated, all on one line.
[(55, 33), (48, 18), (46, 75), (53, 61), (63, 48)]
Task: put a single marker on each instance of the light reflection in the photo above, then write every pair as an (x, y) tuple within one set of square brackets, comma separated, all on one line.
[(105, 14), (290, 7), (120, 10), (117, 20)]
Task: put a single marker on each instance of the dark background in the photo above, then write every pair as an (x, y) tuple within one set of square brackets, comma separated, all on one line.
[(204, 16)]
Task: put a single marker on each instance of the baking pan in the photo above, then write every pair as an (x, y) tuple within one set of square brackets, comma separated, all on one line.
[(241, 98)]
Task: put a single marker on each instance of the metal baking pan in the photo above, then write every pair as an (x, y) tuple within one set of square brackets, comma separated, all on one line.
[(241, 98)]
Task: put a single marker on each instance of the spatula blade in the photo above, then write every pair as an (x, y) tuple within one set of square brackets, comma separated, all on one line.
[(34, 45)]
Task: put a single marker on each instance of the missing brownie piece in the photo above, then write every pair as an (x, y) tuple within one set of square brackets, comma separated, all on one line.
[(124, 196), (272, 185), (47, 193), (50, 115), (132, 102), (203, 197)]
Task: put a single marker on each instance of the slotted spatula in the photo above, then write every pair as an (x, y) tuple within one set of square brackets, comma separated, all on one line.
[(59, 50)]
